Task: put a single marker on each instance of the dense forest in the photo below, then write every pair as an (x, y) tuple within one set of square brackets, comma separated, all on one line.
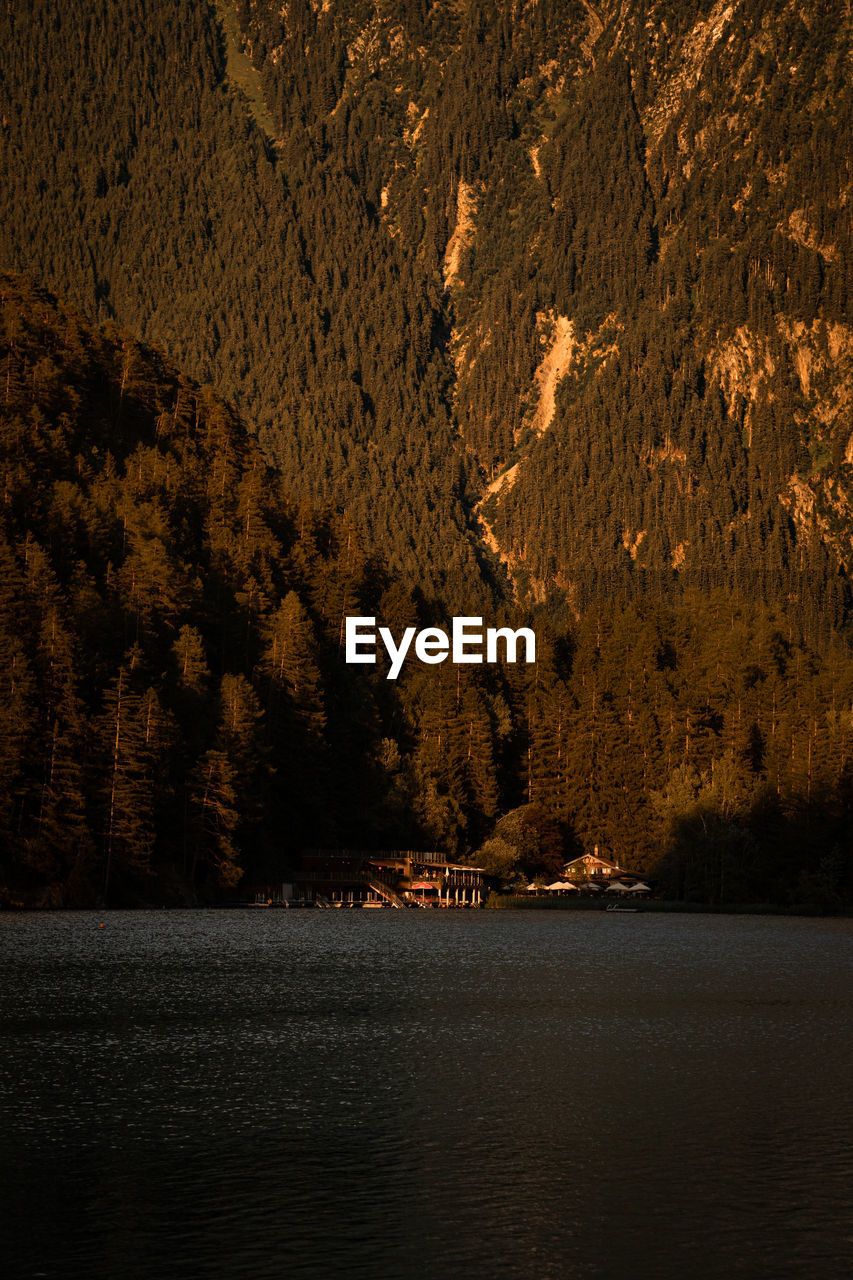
[(177, 714), (538, 310)]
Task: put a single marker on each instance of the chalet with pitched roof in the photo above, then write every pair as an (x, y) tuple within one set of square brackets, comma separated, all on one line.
[(590, 866)]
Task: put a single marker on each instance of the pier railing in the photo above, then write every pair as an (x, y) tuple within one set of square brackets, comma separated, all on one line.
[(359, 876)]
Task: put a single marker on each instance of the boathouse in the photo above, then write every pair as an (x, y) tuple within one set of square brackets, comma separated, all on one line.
[(395, 877)]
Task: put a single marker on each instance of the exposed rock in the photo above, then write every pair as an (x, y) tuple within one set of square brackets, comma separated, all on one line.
[(466, 207), (679, 555), (631, 541), (822, 356), (696, 48), (801, 231), (506, 480), (554, 366), (743, 365)]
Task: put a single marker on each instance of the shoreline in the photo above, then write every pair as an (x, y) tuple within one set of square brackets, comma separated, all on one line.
[(508, 902), (519, 902)]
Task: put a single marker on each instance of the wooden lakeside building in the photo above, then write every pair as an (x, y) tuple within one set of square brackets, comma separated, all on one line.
[(590, 871), (590, 866), (397, 878)]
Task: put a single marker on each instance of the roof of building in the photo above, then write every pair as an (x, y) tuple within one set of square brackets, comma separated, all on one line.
[(588, 859)]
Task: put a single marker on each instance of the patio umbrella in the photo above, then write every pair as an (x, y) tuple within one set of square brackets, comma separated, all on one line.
[(589, 884), (618, 887), (639, 887)]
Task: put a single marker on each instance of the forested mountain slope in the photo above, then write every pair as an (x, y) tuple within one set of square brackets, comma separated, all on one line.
[(601, 250), (534, 309), (176, 715), (137, 185), (169, 629)]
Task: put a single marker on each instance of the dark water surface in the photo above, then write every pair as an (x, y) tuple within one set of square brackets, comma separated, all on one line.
[(478, 1095)]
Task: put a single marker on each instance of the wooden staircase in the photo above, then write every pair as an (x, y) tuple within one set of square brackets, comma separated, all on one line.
[(385, 891)]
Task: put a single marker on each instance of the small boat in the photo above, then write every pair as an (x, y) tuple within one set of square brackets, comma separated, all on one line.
[(616, 907)]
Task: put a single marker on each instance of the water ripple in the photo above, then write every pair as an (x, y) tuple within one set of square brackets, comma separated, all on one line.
[(381, 1094)]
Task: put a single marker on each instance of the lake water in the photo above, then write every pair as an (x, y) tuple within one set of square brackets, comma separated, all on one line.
[(461, 1094)]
